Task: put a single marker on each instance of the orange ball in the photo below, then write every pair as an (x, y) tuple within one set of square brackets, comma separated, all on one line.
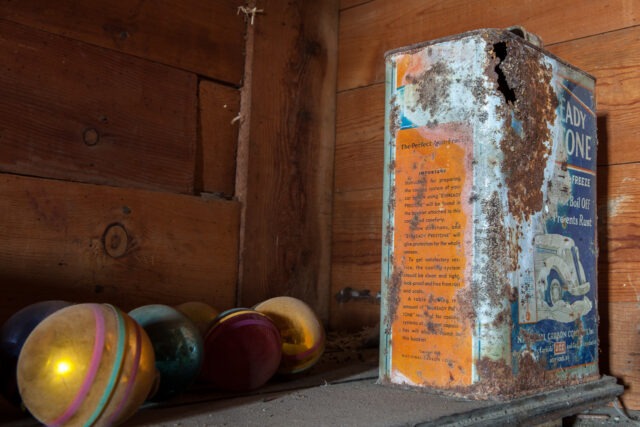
[(201, 314), (303, 336), (86, 364)]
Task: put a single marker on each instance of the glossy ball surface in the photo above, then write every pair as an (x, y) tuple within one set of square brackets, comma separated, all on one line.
[(303, 337), (177, 344), (242, 351), (12, 337), (201, 314), (85, 364)]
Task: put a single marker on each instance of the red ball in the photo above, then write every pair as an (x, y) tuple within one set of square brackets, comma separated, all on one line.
[(242, 351)]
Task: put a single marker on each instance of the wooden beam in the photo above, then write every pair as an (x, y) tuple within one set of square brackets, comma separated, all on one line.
[(82, 242), (73, 111), (205, 37), (288, 193)]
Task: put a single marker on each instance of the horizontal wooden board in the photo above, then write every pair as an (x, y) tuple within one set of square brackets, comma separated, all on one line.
[(354, 316), (205, 37), (73, 111), (619, 231), (216, 164), (357, 225), (620, 348), (614, 59), (345, 4), (356, 256), (359, 139), (82, 242), (367, 31), (360, 113)]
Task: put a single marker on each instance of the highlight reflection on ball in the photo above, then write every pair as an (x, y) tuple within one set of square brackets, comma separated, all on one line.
[(85, 364)]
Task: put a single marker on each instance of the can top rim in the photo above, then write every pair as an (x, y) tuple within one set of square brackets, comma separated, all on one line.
[(497, 34)]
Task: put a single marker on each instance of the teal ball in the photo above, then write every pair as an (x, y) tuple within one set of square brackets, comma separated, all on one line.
[(177, 344)]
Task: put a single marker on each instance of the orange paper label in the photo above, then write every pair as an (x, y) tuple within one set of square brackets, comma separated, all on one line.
[(432, 342)]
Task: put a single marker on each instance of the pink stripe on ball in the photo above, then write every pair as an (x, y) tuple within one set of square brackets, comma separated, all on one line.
[(98, 346)]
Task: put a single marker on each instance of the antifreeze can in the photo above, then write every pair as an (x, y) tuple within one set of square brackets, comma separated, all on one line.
[(489, 249)]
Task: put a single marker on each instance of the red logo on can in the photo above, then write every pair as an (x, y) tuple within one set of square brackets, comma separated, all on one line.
[(559, 347)]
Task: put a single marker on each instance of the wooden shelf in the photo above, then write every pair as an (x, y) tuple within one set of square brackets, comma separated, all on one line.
[(343, 391)]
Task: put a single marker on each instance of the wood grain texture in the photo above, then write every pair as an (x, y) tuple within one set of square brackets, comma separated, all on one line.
[(345, 4), (354, 316), (357, 225), (360, 139), (614, 59), (619, 232), (356, 256), (54, 244), (620, 356), (205, 37), (369, 30), (288, 191), (73, 111), (219, 106), (360, 112)]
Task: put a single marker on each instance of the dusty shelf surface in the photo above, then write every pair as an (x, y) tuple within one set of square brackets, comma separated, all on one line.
[(342, 390), (361, 402)]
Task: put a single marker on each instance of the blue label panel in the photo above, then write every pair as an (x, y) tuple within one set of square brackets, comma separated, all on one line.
[(560, 324)]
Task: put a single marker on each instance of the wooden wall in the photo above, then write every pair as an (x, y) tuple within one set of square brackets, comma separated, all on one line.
[(166, 151), (601, 37), (123, 178), (117, 151)]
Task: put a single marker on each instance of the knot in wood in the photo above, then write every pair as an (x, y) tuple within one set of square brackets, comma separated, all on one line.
[(91, 136), (115, 240)]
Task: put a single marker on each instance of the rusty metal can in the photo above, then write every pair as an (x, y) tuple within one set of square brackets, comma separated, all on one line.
[(489, 249)]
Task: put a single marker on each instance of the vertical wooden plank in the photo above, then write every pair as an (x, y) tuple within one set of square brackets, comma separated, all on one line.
[(82, 242), (205, 37), (287, 198), (219, 122)]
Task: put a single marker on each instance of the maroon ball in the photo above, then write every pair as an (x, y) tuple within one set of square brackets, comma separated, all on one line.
[(242, 351)]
